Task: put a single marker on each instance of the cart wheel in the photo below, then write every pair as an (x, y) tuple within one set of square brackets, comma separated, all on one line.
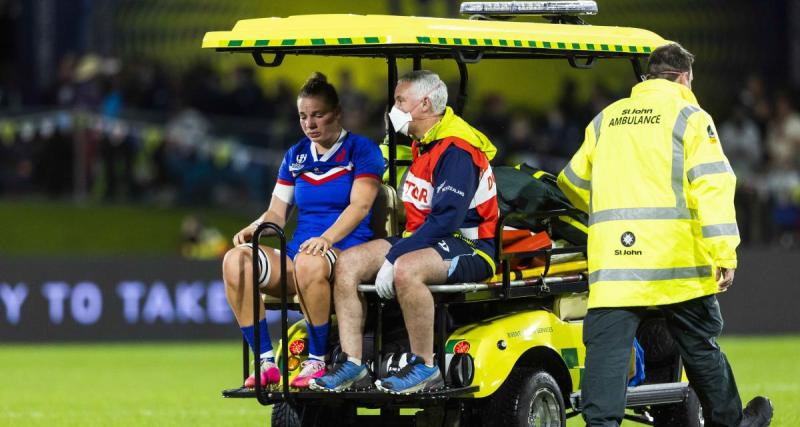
[(299, 415), (530, 398), (688, 413), (284, 414)]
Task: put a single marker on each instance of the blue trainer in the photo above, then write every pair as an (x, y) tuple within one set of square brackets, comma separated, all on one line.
[(414, 377), (342, 377)]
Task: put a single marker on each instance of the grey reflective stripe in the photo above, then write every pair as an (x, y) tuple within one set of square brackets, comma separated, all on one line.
[(649, 274), (624, 214), (707, 169), (677, 152), (597, 121), (575, 179), (720, 230)]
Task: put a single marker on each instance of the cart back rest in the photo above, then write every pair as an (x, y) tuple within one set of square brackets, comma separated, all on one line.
[(387, 213), (571, 306)]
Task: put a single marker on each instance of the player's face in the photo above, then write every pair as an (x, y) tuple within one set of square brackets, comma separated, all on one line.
[(319, 121)]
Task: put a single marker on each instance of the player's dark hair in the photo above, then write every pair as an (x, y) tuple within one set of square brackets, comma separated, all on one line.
[(317, 86), (666, 62)]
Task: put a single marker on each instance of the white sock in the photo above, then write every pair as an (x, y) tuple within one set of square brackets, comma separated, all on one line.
[(352, 359), (316, 357), (267, 356)]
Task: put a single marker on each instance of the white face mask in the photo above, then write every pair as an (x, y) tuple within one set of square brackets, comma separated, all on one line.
[(400, 120)]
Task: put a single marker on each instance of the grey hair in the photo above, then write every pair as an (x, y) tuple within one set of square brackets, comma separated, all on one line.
[(426, 83)]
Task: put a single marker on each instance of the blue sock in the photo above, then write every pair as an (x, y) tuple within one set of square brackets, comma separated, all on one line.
[(317, 340), (266, 343)]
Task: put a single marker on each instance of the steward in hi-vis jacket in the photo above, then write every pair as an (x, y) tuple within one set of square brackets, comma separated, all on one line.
[(659, 191)]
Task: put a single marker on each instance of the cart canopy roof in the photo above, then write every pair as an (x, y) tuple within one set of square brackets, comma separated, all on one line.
[(408, 36)]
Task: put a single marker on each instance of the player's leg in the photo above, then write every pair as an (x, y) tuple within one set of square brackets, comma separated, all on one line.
[(237, 270), (314, 274)]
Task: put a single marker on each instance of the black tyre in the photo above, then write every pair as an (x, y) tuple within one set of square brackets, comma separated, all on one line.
[(688, 413), (299, 415), (284, 414), (528, 397)]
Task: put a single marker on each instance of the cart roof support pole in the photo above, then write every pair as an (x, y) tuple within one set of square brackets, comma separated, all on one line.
[(461, 97), (392, 137), (637, 69)]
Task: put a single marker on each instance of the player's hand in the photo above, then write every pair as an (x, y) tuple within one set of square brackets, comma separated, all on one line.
[(246, 234), (316, 246), (724, 278), (384, 282)]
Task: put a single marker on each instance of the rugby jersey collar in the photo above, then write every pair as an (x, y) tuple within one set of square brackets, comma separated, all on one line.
[(325, 157)]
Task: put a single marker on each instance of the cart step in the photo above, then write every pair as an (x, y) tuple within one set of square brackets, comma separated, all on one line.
[(650, 394), (367, 395)]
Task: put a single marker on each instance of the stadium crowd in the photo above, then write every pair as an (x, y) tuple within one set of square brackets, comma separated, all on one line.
[(135, 133)]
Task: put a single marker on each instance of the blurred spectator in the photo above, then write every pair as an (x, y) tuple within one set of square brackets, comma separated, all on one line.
[(493, 118), (783, 135), (783, 186), (355, 103), (520, 139), (146, 86), (63, 90), (201, 89), (185, 165), (54, 157), (16, 174), (783, 179), (117, 152), (201, 242), (754, 99), (88, 88), (247, 98), (741, 140)]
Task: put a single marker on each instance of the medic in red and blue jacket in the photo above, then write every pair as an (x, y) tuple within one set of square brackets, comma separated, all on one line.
[(450, 199)]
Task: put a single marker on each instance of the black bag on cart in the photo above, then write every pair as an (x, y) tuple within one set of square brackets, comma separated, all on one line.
[(526, 189)]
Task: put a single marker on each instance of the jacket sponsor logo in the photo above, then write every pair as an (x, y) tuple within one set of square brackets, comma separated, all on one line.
[(627, 239), (443, 245), (444, 187), (416, 193), (712, 136), (636, 116)]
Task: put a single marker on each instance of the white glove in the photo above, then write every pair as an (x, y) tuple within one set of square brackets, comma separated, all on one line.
[(384, 282)]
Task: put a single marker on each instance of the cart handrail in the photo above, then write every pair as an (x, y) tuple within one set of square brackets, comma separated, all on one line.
[(256, 309)]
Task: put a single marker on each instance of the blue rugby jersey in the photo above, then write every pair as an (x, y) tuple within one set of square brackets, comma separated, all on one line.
[(320, 185)]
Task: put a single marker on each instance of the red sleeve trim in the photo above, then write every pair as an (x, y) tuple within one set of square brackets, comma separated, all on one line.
[(285, 182)]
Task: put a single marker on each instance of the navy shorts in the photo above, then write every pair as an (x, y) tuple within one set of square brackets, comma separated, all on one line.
[(465, 263)]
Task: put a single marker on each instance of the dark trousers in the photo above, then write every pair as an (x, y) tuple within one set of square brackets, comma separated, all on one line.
[(695, 324)]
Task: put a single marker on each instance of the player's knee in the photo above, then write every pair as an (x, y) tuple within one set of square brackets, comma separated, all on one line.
[(234, 264), (310, 269)]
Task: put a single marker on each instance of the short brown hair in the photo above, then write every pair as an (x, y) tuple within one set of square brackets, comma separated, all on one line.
[(667, 61)]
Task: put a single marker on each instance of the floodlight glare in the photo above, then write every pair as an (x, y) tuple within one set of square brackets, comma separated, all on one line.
[(506, 8)]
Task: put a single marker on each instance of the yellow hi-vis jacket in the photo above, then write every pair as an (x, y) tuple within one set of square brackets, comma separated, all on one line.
[(659, 192)]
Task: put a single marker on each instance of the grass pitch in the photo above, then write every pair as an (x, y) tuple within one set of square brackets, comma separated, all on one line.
[(179, 384)]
